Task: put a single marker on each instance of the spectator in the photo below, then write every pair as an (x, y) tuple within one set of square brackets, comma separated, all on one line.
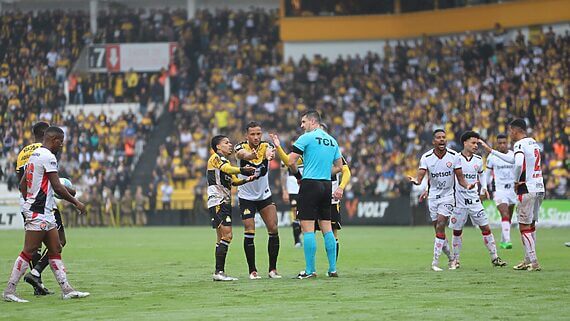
[(167, 191)]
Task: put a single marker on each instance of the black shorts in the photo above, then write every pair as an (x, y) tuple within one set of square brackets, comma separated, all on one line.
[(248, 208), (314, 200), (221, 215), (293, 199), (335, 218)]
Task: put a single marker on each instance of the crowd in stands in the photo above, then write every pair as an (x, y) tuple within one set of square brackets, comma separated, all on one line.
[(297, 8), (100, 150), (382, 107)]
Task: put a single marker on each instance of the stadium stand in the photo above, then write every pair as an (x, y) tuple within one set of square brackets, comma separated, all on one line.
[(382, 107)]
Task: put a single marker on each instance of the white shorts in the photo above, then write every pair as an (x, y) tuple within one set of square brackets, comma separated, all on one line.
[(443, 206), (529, 206), (505, 197), (38, 222), (476, 213)]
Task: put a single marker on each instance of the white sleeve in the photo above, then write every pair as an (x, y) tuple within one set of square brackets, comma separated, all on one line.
[(423, 164), (519, 162), (457, 162), (488, 177), (483, 180), (50, 163), (508, 157)]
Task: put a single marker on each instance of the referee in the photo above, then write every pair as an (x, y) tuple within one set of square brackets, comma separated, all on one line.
[(321, 158)]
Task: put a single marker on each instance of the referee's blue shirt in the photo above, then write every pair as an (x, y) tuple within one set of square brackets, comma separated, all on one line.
[(319, 151)]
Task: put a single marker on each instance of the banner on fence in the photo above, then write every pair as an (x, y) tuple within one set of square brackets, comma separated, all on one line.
[(553, 213)]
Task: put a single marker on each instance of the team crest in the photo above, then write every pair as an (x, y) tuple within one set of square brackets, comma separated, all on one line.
[(476, 167), (228, 219), (448, 164), (453, 220), (247, 211)]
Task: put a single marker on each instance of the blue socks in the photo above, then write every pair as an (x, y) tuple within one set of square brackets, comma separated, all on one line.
[(310, 249), (330, 246)]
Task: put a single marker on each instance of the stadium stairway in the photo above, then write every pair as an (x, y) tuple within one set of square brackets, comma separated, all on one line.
[(142, 174)]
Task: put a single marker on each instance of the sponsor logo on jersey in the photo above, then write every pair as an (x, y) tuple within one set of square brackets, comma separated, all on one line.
[(470, 176), (440, 174)]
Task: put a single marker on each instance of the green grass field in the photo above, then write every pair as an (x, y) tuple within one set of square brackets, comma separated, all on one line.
[(165, 274)]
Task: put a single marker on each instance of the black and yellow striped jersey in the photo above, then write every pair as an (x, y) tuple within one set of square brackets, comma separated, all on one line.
[(259, 188), (221, 176), (23, 158)]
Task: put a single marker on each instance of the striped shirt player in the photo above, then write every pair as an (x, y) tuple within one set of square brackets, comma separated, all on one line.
[(255, 195), (441, 181), (23, 158), (529, 187), (39, 220), (39, 201), (530, 191), (21, 162), (221, 176), (527, 177)]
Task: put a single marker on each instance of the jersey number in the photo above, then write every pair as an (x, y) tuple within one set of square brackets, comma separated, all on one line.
[(29, 175), (537, 162)]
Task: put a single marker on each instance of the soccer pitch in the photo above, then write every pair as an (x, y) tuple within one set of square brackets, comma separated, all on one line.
[(165, 274)]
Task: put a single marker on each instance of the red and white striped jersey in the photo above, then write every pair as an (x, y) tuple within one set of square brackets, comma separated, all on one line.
[(531, 173), (39, 197)]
